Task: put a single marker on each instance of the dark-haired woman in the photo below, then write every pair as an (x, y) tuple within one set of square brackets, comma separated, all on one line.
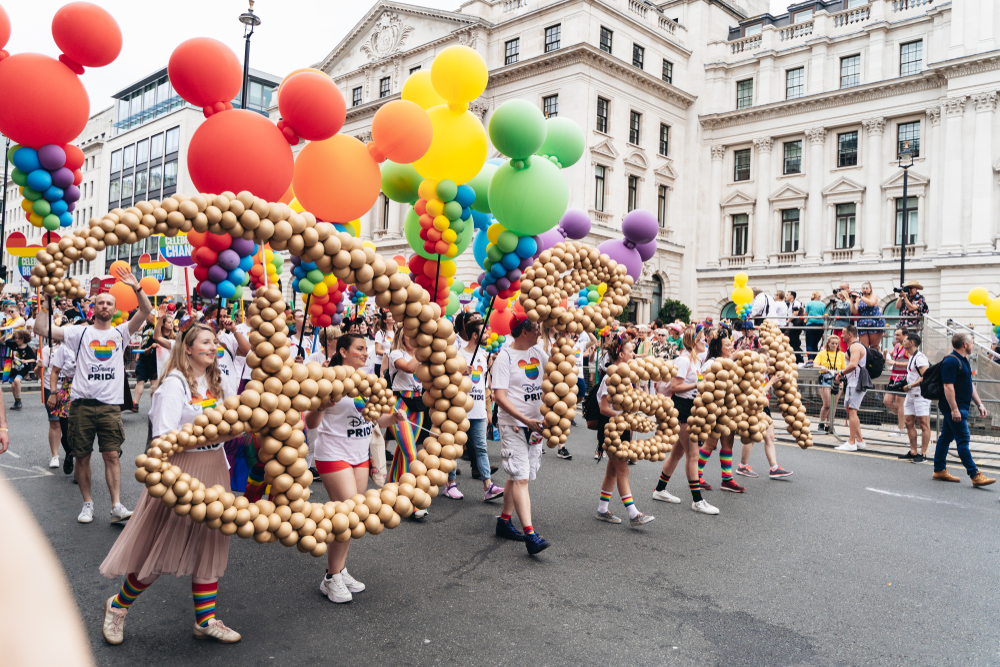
[(383, 338), (469, 326), (342, 440), (616, 474)]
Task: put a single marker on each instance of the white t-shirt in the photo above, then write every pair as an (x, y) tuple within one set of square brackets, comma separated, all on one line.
[(917, 361), (478, 377), (241, 362), (602, 391), (780, 311), (370, 364), (174, 405), (102, 362), (162, 356), (315, 356), (384, 338), (762, 305), (688, 372), (343, 434), (63, 359), (581, 349), (401, 380), (520, 373), (226, 358)]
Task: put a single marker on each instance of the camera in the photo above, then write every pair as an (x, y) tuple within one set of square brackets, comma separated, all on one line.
[(897, 290)]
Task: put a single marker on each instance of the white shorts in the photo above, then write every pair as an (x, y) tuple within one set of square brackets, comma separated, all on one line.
[(520, 460), (917, 406), (853, 397)]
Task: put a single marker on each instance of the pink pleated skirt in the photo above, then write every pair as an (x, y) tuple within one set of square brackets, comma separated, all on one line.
[(156, 541)]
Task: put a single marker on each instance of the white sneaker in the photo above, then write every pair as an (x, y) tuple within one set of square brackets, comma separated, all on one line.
[(54, 462), (665, 496), (418, 514), (846, 447), (87, 513), (703, 507), (353, 585), (335, 589), (120, 513), (114, 622), (860, 444), (218, 631)]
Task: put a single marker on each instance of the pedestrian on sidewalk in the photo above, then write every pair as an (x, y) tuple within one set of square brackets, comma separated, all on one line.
[(959, 393), (916, 408), (899, 358), (829, 362), (98, 391), (858, 383)]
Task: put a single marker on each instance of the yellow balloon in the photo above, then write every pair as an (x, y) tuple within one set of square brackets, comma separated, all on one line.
[(449, 235), (331, 280), (979, 296), (458, 150), (419, 90), (740, 280), (435, 207), (427, 190), (356, 226), (295, 205), (459, 74), (493, 232), (448, 268), (369, 244), (993, 311), (441, 223), (320, 289), (742, 295)]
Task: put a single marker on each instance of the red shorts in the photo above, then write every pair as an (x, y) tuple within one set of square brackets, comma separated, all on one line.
[(334, 466)]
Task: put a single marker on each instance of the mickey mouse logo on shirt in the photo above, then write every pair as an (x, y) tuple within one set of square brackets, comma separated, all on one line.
[(359, 403), (205, 403), (477, 373), (103, 351), (220, 352), (530, 368)]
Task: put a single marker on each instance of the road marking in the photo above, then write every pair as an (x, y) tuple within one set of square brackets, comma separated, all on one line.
[(16, 456), (921, 498), (36, 471)]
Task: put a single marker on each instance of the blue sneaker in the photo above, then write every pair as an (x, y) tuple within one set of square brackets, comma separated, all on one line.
[(535, 543), (507, 530)]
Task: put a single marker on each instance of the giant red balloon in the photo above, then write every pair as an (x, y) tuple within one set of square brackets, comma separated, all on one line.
[(240, 150), (4, 28), (500, 322), (89, 35), (43, 102), (311, 104), (336, 180), (204, 71)]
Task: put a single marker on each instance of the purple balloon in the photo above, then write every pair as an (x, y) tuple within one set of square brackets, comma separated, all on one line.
[(575, 223), (492, 290), (228, 259), (640, 226), (62, 178), (482, 277), (513, 275), (52, 157), (548, 239), (242, 247), (647, 250), (217, 274), (526, 262), (71, 206), (207, 290), (71, 194), (502, 284), (621, 253), (335, 319)]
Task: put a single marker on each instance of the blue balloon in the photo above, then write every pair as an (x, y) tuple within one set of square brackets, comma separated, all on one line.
[(246, 263), (236, 276), (26, 159), (465, 196), (498, 270), (510, 261), (466, 213), (295, 285), (479, 243), (59, 207), (308, 266), (39, 179), (53, 194), (481, 220), (526, 246), (225, 289), (66, 219), (498, 161)]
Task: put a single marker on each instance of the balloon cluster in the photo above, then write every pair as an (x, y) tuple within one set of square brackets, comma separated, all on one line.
[(980, 296), (308, 279), (574, 225), (444, 213), (591, 294), (271, 262), (222, 263), (742, 295), (328, 310), (493, 342), (357, 298), (429, 273), (48, 179), (639, 245), (507, 256)]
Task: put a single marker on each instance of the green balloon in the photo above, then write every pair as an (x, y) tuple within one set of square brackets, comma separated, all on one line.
[(507, 241), (494, 253), (306, 286), (458, 286), (453, 305), (411, 227), (452, 210), (31, 193), (51, 222), (564, 141), (315, 276), (529, 201), (517, 129), (239, 292), (278, 261), (446, 190), (41, 207), (458, 226), (10, 152), (481, 185), (400, 182), (19, 177)]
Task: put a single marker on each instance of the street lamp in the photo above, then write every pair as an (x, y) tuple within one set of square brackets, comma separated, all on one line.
[(249, 21), (905, 162)]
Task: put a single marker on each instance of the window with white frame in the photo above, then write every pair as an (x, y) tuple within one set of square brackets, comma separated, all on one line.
[(607, 38), (550, 106), (795, 83), (789, 230), (512, 50), (744, 94), (908, 136), (602, 114), (741, 165), (846, 220), (792, 157), (634, 124), (741, 234), (638, 55), (911, 219), (661, 205), (600, 171), (850, 71), (633, 192), (911, 58), (553, 37)]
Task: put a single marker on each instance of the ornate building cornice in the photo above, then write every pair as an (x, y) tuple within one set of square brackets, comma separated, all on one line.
[(985, 102), (592, 57), (763, 144), (860, 94), (933, 115), (816, 135), (953, 69), (954, 106), (874, 126)]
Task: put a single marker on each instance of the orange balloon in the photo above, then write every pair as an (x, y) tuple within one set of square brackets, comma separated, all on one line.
[(335, 179), (402, 131), (297, 71), (500, 322), (113, 271), (125, 297), (204, 71), (58, 108), (86, 33), (4, 28), (149, 285), (288, 196), (311, 104)]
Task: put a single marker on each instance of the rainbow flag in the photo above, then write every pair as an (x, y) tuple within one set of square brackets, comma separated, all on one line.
[(205, 403), (7, 364)]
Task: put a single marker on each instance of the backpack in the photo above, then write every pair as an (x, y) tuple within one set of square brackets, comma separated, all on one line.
[(874, 362), (931, 386), (591, 408)]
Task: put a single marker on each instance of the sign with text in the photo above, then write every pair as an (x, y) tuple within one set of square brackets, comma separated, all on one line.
[(176, 250)]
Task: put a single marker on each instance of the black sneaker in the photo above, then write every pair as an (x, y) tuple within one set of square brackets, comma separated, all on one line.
[(535, 544), (919, 458), (563, 453), (68, 465), (17, 404), (907, 456), (506, 530)]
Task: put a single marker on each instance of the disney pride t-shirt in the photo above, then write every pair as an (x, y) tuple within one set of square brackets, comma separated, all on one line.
[(520, 373), (100, 362)]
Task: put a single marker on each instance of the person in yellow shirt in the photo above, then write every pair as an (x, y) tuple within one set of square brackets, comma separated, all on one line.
[(828, 361)]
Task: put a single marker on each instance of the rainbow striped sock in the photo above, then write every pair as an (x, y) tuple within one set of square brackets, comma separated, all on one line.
[(630, 507), (129, 592), (204, 601), (528, 530), (662, 484), (602, 506), (703, 458), (726, 463), (695, 488), (505, 517)]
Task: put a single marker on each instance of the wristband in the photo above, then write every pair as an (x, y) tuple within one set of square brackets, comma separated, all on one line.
[(4, 429)]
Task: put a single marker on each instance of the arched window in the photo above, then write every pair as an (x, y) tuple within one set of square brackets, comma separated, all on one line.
[(657, 297), (729, 312)]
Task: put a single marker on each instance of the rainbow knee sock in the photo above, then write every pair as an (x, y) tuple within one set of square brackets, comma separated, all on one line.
[(204, 602), (703, 457), (726, 463), (662, 483), (129, 592)]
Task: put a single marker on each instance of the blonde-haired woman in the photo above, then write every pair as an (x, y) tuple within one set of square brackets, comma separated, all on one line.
[(157, 541), (684, 388), (829, 362)]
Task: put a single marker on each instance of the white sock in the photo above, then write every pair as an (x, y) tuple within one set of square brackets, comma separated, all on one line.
[(633, 511), (602, 506)]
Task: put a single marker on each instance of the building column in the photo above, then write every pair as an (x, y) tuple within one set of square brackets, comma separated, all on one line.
[(921, 219), (981, 236), (817, 167), (829, 239), (934, 157), (951, 217), (716, 220), (871, 248), (761, 251)]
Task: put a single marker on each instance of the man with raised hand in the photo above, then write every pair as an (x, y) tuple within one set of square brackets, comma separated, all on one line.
[(99, 390)]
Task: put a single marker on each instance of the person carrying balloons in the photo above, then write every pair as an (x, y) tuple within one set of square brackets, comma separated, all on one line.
[(408, 389)]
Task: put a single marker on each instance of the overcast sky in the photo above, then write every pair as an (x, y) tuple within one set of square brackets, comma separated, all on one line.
[(292, 34)]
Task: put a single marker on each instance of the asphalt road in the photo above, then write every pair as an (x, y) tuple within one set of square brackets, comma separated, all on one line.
[(854, 560)]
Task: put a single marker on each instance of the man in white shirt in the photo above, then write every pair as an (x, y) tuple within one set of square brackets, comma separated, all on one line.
[(916, 408), (517, 391), (780, 310), (761, 307), (99, 390)]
